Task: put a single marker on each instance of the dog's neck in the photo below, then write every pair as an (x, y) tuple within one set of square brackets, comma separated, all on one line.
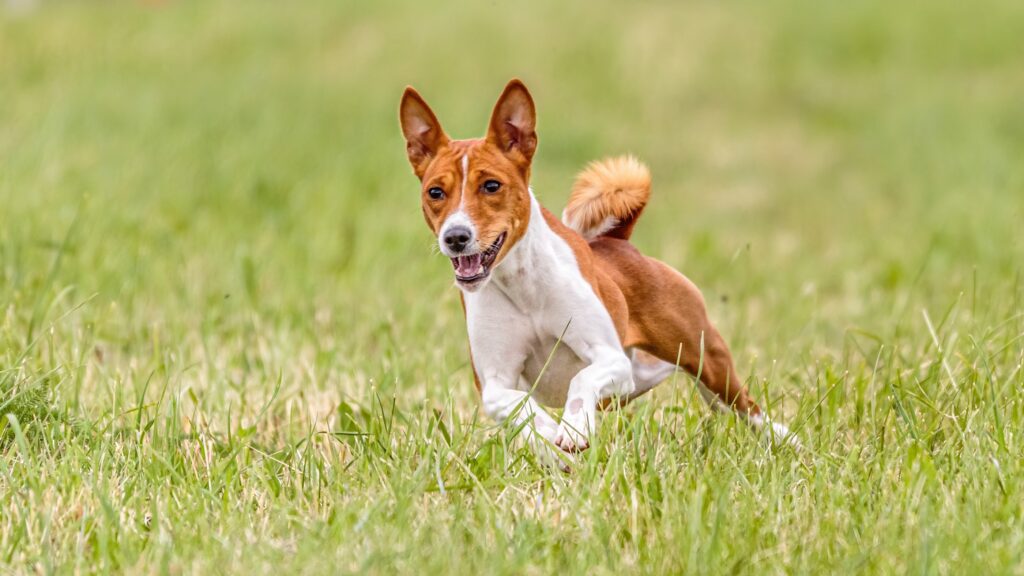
[(533, 266)]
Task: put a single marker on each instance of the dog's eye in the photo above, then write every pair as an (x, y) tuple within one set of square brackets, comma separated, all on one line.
[(435, 193), (492, 186)]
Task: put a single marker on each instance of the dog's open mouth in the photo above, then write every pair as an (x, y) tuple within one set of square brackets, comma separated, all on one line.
[(472, 268)]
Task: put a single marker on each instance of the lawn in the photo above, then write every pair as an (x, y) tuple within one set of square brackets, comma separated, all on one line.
[(228, 346)]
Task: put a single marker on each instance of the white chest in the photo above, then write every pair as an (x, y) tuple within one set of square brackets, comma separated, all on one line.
[(538, 322), (533, 346)]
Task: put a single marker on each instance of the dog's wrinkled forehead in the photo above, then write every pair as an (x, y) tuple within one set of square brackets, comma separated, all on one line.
[(455, 182), (467, 159)]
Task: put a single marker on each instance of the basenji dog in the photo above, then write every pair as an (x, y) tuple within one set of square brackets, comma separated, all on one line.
[(561, 312)]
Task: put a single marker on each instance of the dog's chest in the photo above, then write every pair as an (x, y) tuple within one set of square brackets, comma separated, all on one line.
[(537, 297), (533, 343)]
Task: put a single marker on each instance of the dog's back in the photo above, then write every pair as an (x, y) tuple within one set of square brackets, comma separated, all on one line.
[(532, 284), (665, 313)]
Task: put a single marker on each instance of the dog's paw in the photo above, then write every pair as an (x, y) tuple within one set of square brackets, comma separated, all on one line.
[(577, 426), (777, 435), (573, 436), (549, 455)]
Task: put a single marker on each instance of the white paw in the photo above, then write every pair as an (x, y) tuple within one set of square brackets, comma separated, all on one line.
[(575, 430), (778, 434), (572, 441)]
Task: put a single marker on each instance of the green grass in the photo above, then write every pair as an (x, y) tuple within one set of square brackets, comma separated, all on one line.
[(226, 345)]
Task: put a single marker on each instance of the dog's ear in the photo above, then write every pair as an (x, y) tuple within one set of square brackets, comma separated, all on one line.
[(423, 133), (514, 122)]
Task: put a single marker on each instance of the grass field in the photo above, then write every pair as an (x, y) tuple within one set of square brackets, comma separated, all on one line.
[(226, 345)]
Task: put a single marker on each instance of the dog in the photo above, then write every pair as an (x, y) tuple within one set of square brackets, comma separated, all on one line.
[(561, 312)]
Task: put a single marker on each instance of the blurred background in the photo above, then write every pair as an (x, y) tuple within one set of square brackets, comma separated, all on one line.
[(231, 346), (219, 190)]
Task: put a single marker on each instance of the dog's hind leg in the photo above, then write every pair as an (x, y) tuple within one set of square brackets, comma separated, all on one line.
[(679, 328), (648, 372)]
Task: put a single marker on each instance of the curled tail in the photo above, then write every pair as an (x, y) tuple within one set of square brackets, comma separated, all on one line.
[(608, 197)]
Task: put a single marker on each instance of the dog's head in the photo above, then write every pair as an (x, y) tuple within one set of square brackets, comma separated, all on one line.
[(475, 193)]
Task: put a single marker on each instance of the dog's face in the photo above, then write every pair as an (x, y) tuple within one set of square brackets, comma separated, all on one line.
[(475, 193)]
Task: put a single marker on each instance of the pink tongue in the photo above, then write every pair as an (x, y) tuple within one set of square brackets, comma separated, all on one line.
[(468, 266)]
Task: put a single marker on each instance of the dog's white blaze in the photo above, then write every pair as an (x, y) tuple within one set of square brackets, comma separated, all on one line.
[(533, 295), (458, 217), (465, 178)]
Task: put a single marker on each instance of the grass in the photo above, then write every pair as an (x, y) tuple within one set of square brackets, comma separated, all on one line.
[(227, 347)]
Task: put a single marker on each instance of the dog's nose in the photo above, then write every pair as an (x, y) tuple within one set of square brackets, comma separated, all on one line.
[(457, 238)]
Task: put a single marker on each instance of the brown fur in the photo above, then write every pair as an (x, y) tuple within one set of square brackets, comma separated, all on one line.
[(653, 307), (658, 310), (668, 319), (615, 189), (504, 155)]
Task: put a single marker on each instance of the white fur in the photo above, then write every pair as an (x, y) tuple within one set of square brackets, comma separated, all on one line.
[(539, 334), (465, 178), (775, 433), (458, 217), (649, 372), (536, 295), (607, 224)]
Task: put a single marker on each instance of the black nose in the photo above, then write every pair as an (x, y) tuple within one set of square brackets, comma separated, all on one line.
[(457, 237)]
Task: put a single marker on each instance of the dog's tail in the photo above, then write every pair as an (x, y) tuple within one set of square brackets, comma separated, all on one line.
[(608, 197)]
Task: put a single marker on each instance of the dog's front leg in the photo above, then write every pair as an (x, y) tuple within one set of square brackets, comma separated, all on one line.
[(499, 344), (503, 402), (609, 375)]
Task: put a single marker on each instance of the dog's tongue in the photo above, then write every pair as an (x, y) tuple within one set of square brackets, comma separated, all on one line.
[(468, 266)]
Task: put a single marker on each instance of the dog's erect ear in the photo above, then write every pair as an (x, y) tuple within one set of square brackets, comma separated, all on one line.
[(514, 122), (423, 133)]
